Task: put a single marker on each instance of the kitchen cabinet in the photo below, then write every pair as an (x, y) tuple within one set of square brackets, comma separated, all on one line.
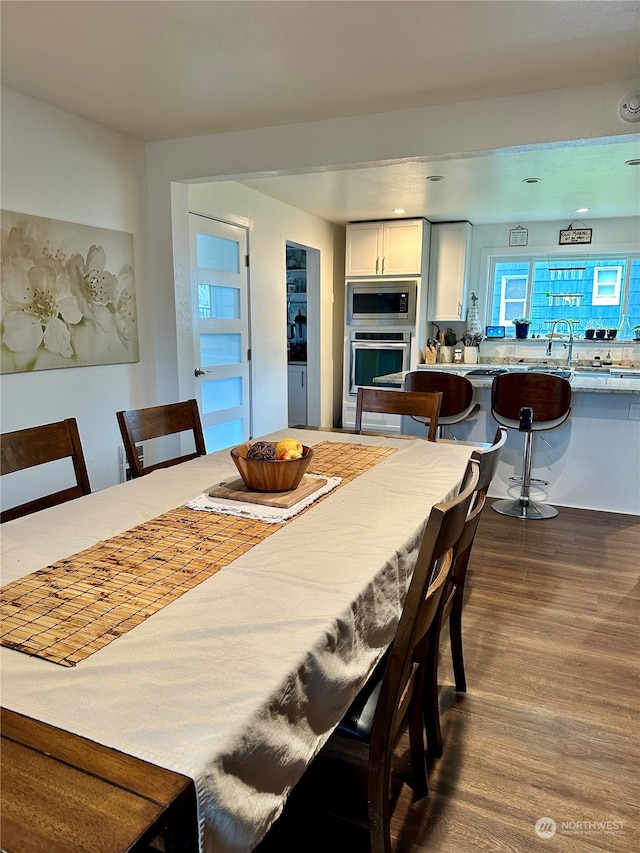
[(385, 248), (297, 394), (449, 270)]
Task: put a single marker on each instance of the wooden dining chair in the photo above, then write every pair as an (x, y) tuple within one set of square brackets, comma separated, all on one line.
[(453, 597), (26, 448), (138, 425), (393, 692), (422, 404)]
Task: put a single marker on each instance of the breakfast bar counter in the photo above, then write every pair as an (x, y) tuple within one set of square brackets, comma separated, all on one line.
[(602, 380), (592, 461)]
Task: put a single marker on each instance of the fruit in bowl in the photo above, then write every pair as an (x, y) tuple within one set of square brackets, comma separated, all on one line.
[(262, 472), (288, 448)]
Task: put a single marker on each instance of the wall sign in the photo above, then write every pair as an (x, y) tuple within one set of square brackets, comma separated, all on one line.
[(518, 236), (570, 235)]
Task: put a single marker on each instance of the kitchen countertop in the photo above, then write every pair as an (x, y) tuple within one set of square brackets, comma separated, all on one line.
[(583, 379)]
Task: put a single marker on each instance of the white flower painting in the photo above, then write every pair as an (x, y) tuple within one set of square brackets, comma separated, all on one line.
[(68, 295)]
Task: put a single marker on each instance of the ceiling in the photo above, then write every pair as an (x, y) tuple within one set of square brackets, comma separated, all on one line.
[(165, 70)]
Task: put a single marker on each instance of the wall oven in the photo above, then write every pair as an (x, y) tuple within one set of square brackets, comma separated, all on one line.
[(381, 303), (376, 353)]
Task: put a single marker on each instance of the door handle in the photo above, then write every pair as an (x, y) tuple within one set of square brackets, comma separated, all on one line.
[(200, 372)]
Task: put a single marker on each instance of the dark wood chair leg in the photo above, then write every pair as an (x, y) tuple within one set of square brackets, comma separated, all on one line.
[(455, 633), (420, 783), (431, 706), (379, 809)]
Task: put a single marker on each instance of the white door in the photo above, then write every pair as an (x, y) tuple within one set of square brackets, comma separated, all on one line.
[(221, 330)]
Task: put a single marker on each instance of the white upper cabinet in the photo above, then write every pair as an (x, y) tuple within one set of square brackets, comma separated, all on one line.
[(449, 270), (385, 248)]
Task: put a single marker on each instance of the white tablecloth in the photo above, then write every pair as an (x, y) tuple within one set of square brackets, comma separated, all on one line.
[(238, 683)]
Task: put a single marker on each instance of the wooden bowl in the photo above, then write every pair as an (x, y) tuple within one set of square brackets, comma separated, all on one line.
[(270, 475)]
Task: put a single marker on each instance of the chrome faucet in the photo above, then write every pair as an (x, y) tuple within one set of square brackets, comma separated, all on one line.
[(569, 345)]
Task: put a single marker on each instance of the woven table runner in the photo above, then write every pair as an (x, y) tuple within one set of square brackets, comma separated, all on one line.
[(71, 609)]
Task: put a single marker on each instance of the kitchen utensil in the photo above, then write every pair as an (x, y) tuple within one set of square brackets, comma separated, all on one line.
[(450, 338)]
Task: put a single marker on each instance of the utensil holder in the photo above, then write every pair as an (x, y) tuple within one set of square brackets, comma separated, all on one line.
[(446, 355), (471, 355)]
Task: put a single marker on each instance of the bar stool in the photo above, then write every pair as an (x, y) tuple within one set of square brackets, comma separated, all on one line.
[(457, 395), (529, 402)]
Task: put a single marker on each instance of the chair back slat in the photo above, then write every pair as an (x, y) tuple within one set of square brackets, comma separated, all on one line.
[(137, 425), (423, 404), (27, 448)]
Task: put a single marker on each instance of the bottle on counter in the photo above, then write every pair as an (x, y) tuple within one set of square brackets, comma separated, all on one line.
[(607, 361)]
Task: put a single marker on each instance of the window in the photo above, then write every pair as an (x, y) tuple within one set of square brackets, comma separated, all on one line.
[(513, 298), (596, 292), (606, 285)]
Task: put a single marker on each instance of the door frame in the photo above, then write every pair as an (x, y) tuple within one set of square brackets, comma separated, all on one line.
[(313, 329), (180, 210)]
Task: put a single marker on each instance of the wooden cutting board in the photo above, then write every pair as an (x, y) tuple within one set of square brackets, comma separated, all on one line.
[(235, 490)]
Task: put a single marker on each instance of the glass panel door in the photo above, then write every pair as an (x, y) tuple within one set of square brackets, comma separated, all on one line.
[(221, 333)]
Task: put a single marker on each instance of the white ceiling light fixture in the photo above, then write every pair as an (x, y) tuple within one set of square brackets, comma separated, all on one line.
[(435, 178), (399, 210), (634, 162), (630, 107), (531, 180), (582, 209)]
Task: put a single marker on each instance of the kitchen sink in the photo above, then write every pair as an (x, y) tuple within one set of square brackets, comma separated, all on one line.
[(565, 373)]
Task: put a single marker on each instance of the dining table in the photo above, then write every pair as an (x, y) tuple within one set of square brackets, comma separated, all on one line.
[(238, 676)]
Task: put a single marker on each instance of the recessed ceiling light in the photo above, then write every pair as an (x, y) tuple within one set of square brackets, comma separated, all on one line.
[(435, 178), (531, 180), (634, 162), (582, 210), (399, 210)]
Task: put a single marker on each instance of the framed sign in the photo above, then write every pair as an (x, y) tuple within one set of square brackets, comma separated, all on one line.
[(518, 236), (570, 236)]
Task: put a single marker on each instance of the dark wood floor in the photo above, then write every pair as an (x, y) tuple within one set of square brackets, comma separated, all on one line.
[(549, 725)]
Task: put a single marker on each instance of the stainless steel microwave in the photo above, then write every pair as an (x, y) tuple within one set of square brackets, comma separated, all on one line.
[(381, 303)]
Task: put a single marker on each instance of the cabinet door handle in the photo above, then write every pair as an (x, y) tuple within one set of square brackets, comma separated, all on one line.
[(460, 309), (382, 270), (302, 378), (377, 265)]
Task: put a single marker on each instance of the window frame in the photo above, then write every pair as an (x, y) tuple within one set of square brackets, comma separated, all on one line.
[(596, 298), (490, 256), (526, 301)]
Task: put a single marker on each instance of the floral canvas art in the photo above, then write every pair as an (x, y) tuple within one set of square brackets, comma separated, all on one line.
[(68, 295)]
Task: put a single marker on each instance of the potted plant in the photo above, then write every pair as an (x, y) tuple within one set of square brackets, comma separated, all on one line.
[(636, 333), (590, 330), (522, 327)]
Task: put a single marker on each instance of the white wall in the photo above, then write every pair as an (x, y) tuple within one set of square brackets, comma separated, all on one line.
[(272, 224), (62, 167)]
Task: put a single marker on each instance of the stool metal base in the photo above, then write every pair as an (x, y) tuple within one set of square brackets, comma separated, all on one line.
[(524, 508)]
